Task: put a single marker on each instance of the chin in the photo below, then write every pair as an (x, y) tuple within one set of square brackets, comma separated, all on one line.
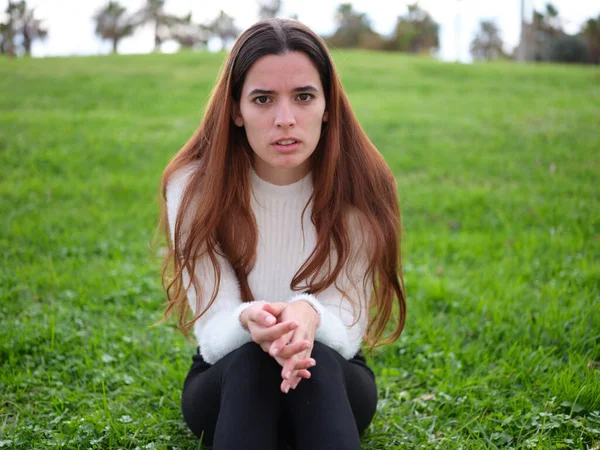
[(288, 162)]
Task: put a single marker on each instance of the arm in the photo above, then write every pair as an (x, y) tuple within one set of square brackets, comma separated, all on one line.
[(343, 322), (219, 330)]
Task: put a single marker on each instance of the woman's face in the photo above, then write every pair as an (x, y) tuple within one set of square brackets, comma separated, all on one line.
[(282, 108)]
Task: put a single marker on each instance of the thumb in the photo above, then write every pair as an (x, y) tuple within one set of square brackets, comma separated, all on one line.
[(275, 308)]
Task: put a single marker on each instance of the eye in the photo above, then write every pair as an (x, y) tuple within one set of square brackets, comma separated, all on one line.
[(262, 100), (305, 97)]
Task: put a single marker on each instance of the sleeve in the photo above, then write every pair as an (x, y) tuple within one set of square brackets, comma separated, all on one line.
[(219, 330), (343, 322)]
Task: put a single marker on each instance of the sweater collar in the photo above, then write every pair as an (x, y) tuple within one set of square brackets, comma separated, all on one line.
[(301, 189)]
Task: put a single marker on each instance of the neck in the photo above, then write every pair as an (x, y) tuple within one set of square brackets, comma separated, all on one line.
[(281, 176)]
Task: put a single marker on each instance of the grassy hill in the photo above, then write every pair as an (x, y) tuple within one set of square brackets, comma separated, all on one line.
[(498, 174)]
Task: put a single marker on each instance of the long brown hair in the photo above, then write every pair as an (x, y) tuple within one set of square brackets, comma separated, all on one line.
[(348, 173)]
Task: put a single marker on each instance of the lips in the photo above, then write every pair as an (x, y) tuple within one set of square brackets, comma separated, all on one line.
[(286, 145), (286, 140)]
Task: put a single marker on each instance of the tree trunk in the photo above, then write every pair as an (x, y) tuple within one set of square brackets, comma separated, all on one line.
[(156, 38), (26, 42), (115, 45)]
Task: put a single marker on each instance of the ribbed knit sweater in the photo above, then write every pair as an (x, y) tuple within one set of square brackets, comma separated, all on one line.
[(284, 244)]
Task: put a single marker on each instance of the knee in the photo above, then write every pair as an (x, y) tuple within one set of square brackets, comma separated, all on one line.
[(250, 364), (329, 365)]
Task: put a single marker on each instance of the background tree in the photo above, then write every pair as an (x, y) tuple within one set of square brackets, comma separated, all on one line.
[(20, 29), (552, 20), (224, 27), (189, 34), (590, 33), (32, 29), (546, 27), (487, 44), (353, 29), (113, 23), (415, 32), (8, 31), (268, 8), (153, 12), (569, 49)]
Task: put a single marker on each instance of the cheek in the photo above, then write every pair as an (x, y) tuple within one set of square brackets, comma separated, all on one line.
[(254, 122), (316, 125)]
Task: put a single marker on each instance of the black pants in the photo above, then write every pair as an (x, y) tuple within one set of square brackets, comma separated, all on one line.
[(237, 403)]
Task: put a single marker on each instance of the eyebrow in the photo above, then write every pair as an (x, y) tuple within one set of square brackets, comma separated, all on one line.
[(306, 88)]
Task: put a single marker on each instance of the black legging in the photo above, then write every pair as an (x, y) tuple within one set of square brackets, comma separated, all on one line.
[(237, 403)]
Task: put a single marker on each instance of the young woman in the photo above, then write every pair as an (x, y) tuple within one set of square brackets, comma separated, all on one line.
[(284, 227)]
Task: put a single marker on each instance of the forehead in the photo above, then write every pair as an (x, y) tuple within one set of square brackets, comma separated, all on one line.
[(282, 73)]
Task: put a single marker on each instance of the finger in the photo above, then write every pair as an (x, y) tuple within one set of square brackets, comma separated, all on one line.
[(265, 318), (261, 334), (285, 339), (275, 308), (287, 351), (266, 346), (286, 385), (305, 364), (261, 317), (281, 342), (302, 367), (289, 368), (304, 374), (297, 362), (295, 380)]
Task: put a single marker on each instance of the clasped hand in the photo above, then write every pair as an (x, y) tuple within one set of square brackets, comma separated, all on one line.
[(286, 331)]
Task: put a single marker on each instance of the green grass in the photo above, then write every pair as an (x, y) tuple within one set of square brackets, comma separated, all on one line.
[(498, 168)]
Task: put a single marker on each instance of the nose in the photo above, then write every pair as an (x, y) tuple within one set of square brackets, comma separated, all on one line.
[(284, 116)]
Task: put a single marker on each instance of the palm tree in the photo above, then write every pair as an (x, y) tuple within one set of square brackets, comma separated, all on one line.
[(224, 27), (113, 24), (20, 23), (416, 32), (352, 27), (487, 43), (590, 32), (8, 29), (153, 12), (31, 29), (552, 19), (189, 34), (268, 8)]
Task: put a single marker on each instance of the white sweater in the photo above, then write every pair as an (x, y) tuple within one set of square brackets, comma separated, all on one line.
[(282, 248)]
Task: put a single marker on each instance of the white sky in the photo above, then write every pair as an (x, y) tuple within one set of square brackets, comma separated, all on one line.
[(71, 29)]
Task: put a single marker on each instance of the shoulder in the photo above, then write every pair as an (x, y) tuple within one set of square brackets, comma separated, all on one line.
[(174, 190), (178, 181)]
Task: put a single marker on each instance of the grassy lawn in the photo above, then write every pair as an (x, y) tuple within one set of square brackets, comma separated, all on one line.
[(498, 168)]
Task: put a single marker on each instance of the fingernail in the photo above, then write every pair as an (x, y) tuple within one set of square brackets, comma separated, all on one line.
[(312, 364), (274, 351), (270, 320), (287, 375), (287, 389)]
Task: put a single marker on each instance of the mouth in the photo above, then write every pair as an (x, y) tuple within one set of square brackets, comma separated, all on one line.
[(286, 144), (288, 140)]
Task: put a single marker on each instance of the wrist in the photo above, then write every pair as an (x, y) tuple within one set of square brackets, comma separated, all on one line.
[(310, 310), (244, 319), (245, 312)]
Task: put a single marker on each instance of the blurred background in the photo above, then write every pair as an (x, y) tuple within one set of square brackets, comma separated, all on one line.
[(451, 30), (488, 114)]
